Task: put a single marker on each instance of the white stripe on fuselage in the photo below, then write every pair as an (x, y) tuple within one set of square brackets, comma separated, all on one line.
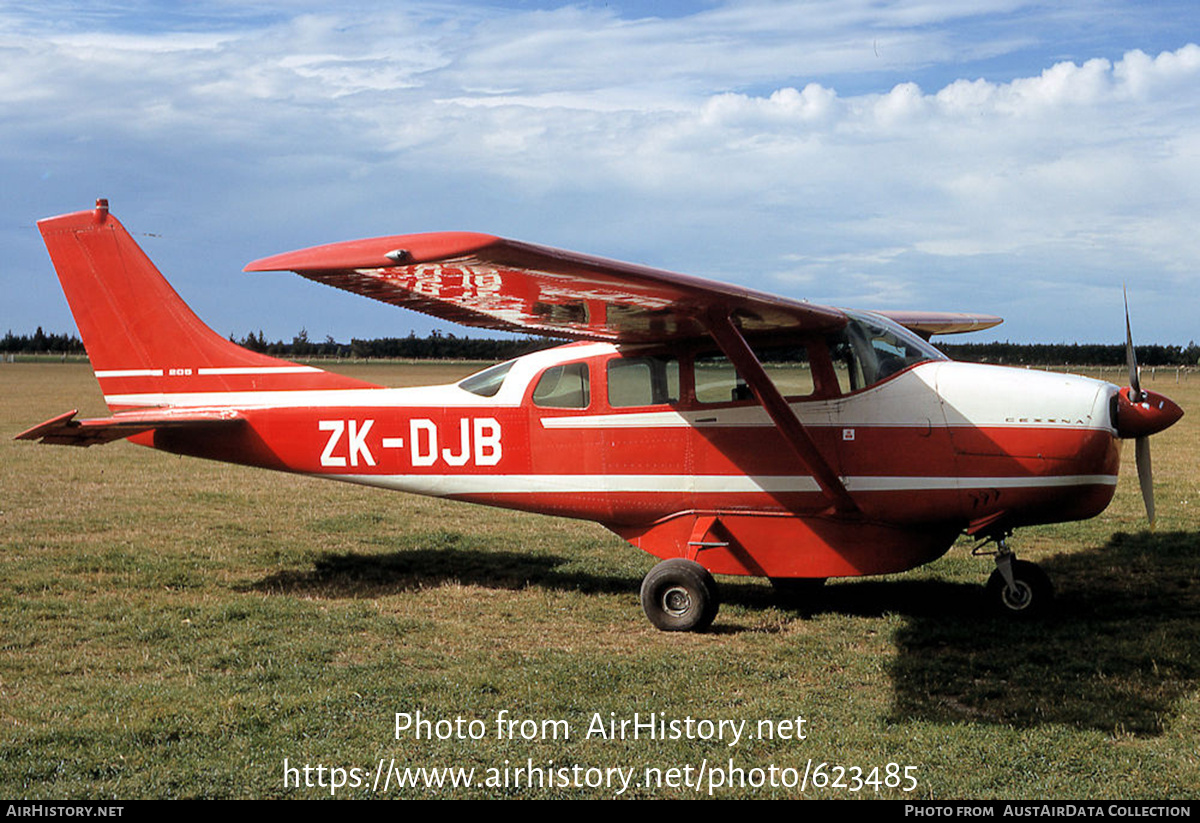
[(260, 370), (418, 398), (128, 373), (452, 484)]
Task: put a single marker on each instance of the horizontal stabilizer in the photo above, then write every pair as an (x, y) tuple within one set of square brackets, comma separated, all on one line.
[(65, 430)]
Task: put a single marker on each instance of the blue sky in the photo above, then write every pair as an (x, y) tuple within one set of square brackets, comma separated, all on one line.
[(1019, 159)]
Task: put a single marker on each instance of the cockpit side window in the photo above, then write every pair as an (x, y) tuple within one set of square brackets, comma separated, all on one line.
[(787, 366), (871, 348), (563, 387)]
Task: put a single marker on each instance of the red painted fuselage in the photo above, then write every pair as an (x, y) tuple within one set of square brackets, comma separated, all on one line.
[(924, 453)]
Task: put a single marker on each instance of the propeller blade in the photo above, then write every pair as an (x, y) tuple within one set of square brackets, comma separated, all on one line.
[(1145, 476), (1130, 357)]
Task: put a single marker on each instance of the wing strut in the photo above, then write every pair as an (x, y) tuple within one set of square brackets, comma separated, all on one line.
[(729, 338)]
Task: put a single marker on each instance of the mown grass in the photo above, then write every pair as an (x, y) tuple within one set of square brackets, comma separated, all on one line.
[(175, 628)]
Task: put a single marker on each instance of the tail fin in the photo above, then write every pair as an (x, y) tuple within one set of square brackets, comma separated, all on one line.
[(146, 346)]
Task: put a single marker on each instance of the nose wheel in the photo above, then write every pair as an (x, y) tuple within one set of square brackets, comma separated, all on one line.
[(1017, 588), (680, 595)]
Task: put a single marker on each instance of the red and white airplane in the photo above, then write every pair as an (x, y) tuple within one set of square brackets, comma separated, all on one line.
[(720, 429)]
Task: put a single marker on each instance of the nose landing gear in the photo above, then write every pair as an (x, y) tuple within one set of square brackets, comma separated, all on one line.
[(1017, 589)]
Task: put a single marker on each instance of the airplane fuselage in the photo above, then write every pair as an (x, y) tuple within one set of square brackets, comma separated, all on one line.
[(924, 453)]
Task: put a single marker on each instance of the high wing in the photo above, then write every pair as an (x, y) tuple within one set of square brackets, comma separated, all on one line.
[(482, 280), (65, 430)]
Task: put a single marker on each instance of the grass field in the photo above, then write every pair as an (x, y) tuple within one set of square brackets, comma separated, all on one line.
[(177, 628)]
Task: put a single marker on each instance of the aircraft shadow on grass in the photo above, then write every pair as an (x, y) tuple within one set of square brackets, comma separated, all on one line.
[(442, 557), (1117, 655), (1119, 652)]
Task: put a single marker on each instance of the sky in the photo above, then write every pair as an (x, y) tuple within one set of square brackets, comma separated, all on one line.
[(1022, 159)]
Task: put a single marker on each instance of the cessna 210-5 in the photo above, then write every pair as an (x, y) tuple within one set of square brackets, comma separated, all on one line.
[(720, 429)]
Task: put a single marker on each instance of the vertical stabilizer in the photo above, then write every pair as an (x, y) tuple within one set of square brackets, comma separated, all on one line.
[(145, 344)]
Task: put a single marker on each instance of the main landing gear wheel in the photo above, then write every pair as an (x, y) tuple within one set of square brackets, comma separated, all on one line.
[(1029, 596), (680, 595)]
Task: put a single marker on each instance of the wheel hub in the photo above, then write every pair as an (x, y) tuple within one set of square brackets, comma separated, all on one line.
[(676, 601), (1018, 595)]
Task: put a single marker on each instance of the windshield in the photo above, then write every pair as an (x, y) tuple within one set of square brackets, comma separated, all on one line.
[(871, 348)]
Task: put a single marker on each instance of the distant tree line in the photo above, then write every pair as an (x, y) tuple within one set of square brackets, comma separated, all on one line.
[(439, 346), (41, 343), (1074, 354), (434, 346)]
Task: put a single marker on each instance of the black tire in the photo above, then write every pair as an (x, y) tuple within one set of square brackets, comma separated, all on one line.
[(680, 595), (1032, 598)]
